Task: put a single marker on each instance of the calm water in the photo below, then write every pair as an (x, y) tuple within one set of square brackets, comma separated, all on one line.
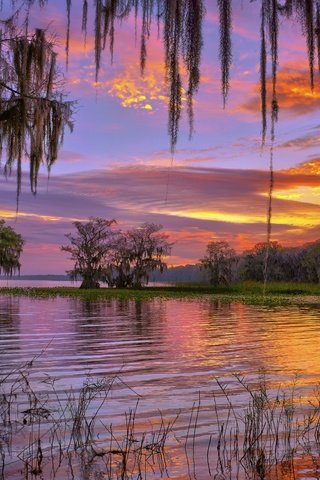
[(166, 353)]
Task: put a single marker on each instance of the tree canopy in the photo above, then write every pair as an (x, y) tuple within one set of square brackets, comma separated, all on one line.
[(11, 245), (119, 258), (90, 248), (218, 262), (138, 252)]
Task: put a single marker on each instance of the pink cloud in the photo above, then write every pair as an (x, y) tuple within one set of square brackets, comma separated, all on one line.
[(202, 204)]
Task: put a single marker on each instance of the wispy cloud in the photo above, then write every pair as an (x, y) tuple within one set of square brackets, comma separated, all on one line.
[(194, 205)]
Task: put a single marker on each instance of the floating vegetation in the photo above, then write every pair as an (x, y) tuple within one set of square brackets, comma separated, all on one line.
[(247, 292)]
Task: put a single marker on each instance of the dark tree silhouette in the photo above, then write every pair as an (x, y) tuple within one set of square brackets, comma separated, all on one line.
[(218, 263), (137, 253), (11, 245), (89, 249), (147, 249), (120, 259)]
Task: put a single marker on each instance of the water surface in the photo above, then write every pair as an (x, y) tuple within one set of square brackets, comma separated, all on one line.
[(169, 354)]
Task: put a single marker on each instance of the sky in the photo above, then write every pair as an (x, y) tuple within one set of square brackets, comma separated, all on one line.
[(117, 162)]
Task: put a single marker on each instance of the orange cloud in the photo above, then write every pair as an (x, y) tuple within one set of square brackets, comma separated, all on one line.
[(202, 204), (305, 185), (310, 167), (294, 93), (142, 92)]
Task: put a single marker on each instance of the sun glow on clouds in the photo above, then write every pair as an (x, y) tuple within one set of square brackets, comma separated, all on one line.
[(140, 92), (302, 220), (309, 194), (12, 214), (293, 92), (311, 167)]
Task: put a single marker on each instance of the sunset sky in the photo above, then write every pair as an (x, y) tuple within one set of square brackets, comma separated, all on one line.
[(117, 162)]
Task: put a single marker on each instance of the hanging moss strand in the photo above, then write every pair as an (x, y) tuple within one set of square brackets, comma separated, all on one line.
[(225, 51)]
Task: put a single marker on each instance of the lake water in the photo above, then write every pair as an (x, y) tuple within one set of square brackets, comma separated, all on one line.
[(145, 363), (18, 283)]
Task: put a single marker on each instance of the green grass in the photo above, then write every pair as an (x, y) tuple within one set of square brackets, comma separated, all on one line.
[(243, 292)]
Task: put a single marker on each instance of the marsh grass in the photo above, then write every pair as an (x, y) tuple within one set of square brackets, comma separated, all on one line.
[(277, 293), (270, 435), (256, 431), (50, 433)]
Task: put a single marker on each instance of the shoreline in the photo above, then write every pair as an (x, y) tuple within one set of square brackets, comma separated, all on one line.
[(243, 292)]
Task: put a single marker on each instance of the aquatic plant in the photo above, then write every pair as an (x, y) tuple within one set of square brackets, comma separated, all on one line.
[(50, 432), (257, 431)]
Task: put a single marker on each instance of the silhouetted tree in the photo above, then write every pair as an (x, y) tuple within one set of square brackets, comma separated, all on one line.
[(118, 271), (311, 262), (252, 263), (11, 246), (218, 263), (90, 249), (137, 253)]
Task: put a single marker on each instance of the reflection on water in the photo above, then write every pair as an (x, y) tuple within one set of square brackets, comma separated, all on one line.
[(167, 352)]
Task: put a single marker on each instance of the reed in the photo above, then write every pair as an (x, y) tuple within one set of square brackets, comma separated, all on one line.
[(257, 431), (57, 433)]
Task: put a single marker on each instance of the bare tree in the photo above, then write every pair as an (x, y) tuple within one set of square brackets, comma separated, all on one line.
[(89, 249), (11, 245)]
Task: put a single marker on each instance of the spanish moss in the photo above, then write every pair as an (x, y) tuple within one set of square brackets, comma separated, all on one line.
[(263, 78), (317, 32), (68, 30), (225, 16), (84, 22), (192, 45), (33, 114), (269, 219), (172, 32), (310, 37)]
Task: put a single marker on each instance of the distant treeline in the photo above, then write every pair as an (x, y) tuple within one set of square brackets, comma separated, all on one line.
[(49, 277), (294, 264), (287, 264), (182, 273)]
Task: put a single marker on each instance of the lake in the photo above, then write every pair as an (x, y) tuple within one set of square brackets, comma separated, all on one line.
[(158, 389)]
